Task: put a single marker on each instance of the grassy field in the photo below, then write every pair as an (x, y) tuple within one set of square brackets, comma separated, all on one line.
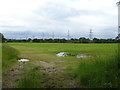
[(100, 70), (9, 56)]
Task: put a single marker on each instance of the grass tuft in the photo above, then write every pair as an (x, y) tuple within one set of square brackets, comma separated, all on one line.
[(99, 72), (31, 79)]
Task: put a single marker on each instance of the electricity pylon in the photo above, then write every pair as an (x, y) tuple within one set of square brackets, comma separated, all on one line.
[(68, 34), (42, 35), (53, 35), (90, 37)]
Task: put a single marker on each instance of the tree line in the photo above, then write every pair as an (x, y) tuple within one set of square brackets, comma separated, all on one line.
[(72, 40)]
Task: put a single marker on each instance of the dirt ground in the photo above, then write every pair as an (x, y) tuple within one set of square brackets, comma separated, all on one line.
[(54, 76)]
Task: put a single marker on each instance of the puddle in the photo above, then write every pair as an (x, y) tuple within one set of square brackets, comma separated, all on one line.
[(23, 60), (61, 54), (82, 56)]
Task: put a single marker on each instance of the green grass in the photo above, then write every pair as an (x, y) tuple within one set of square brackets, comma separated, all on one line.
[(98, 71), (9, 56), (31, 79)]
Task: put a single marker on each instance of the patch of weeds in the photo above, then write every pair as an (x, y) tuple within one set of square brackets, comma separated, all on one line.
[(72, 72), (35, 68), (32, 79), (100, 72), (53, 81)]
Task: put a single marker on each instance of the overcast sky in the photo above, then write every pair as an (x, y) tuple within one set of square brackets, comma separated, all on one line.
[(34, 17)]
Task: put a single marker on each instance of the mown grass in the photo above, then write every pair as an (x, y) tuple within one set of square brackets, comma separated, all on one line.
[(9, 57), (99, 71)]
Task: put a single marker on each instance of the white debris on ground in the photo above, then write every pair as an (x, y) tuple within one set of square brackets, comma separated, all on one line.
[(23, 60), (61, 54), (82, 56)]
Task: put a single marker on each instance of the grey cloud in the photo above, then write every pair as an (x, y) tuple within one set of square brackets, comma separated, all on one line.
[(53, 17)]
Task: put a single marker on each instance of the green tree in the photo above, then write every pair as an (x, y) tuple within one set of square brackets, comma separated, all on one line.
[(2, 38)]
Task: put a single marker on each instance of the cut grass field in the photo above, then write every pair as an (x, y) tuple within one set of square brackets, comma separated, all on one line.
[(99, 71)]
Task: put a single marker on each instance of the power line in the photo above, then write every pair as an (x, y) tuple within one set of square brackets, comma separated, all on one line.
[(33, 36), (53, 35), (90, 37), (42, 35), (68, 34)]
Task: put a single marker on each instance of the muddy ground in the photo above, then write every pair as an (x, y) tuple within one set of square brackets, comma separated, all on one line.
[(53, 75)]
